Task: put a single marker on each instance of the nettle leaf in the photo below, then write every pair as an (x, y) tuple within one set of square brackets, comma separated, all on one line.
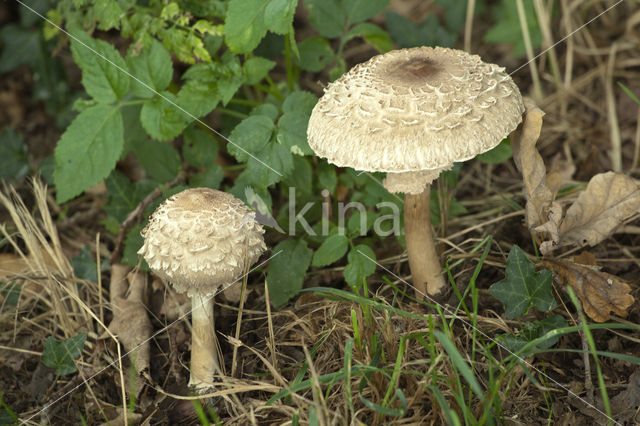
[(153, 67), (88, 150), (123, 195), (287, 270), (199, 148), (523, 287), (162, 119), (245, 25), (327, 17), (278, 15), (362, 263), (102, 68), (256, 69), (331, 250), (14, 157), (361, 10), (315, 54), (501, 153), (132, 244), (409, 34), (372, 34), (508, 29), (250, 137), (160, 160), (60, 354)]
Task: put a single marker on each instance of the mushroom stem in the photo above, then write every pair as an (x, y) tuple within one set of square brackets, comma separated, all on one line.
[(204, 358), (423, 257)]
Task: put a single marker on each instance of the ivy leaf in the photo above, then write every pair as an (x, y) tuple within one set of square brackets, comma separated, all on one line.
[(331, 250), (14, 158), (409, 34), (531, 331), (362, 263), (278, 15), (501, 153), (256, 69), (88, 150), (508, 29), (250, 137), (372, 34), (523, 287), (96, 58), (60, 354), (361, 10), (315, 54), (153, 67), (245, 25), (287, 270), (161, 119), (327, 17)]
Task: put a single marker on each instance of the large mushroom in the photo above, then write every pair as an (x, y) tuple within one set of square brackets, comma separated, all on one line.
[(412, 113), (200, 240)]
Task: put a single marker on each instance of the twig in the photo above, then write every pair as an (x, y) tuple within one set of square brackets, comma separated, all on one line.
[(134, 216)]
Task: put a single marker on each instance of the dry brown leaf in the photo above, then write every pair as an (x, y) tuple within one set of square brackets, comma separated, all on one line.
[(551, 228), (609, 200), (585, 258), (599, 292), (559, 174)]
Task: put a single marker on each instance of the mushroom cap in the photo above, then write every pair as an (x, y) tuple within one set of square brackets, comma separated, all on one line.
[(201, 239), (414, 109)]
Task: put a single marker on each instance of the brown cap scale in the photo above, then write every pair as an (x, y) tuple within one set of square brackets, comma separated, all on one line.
[(412, 113), (201, 240)]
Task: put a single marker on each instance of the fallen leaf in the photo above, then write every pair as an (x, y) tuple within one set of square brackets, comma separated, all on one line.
[(551, 228), (609, 200), (559, 174), (585, 258), (599, 292)]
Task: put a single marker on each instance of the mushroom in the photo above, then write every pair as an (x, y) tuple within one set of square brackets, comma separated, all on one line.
[(200, 240), (412, 113)]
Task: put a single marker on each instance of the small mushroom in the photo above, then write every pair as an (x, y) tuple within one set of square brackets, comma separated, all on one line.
[(412, 113), (200, 240)]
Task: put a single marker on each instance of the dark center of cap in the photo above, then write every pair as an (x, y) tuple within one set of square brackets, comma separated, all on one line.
[(412, 70)]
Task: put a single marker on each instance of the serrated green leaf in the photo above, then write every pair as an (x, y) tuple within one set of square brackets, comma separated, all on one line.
[(499, 154), (268, 110), (256, 69), (88, 150), (299, 101), (287, 270), (360, 223), (161, 119), (160, 160), (362, 263), (278, 15), (409, 34), (327, 177), (60, 354), (14, 158), (361, 10), (123, 196), (198, 97), (152, 67), (331, 250), (301, 176), (132, 244), (245, 25), (327, 17), (292, 133), (210, 178), (508, 30), (107, 13), (270, 165), (523, 287), (315, 54), (199, 147), (372, 34), (250, 137), (102, 68)]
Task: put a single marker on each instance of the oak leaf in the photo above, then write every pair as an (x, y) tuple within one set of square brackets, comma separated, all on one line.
[(599, 292)]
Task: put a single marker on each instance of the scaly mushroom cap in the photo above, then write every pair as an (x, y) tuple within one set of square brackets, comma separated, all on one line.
[(201, 239), (414, 109)]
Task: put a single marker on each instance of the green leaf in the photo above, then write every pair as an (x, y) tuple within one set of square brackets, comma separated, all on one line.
[(199, 147), (331, 250), (300, 176), (270, 165), (287, 270), (256, 69), (292, 133), (300, 101), (523, 287), (84, 265), (327, 17), (455, 208), (372, 34), (88, 150), (20, 46), (153, 67), (250, 136), (268, 110), (132, 244), (102, 68), (499, 154), (315, 54), (210, 178), (60, 354), (14, 158), (278, 15), (160, 160), (455, 13), (10, 293), (361, 10), (123, 196), (362, 263), (533, 330), (198, 97), (162, 119), (107, 13), (245, 25), (409, 34), (327, 177), (508, 30)]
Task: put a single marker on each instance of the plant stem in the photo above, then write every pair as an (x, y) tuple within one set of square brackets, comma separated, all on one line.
[(423, 257), (287, 55), (204, 357)]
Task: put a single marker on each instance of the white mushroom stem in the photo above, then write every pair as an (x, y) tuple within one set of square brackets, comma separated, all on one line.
[(204, 358), (421, 249)]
